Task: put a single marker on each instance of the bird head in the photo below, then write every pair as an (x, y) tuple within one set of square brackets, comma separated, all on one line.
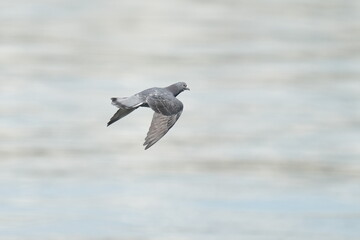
[(177, 88)]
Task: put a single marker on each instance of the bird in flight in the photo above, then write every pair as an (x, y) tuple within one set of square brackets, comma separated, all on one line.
[(167, 109)]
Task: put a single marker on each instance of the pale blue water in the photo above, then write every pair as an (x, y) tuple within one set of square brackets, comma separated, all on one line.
[(267, 147)]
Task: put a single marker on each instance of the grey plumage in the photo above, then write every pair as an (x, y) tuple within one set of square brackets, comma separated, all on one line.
[(167, 109)]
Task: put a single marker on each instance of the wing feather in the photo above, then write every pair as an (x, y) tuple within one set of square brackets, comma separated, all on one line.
[(120, 114), (167, 111), (164, 104), (160, 125)]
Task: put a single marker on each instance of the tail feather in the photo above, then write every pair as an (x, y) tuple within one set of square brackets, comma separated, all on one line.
[(126, 102), (126, 105)]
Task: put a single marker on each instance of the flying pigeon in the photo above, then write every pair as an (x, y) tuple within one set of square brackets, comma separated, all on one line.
[(167, 109)]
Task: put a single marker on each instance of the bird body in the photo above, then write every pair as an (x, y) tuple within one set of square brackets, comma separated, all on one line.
[(162, 101)]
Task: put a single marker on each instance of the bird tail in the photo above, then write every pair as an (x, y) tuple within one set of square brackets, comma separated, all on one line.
[(126, 105), (126, 102)]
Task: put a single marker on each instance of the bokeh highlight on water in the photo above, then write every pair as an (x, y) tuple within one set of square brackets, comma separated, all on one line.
[(267, 147)]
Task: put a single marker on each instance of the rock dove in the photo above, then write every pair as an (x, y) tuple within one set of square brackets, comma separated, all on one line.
[(163, 101)]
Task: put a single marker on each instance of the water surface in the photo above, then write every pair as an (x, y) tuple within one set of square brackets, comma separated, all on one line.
[(266, 148)]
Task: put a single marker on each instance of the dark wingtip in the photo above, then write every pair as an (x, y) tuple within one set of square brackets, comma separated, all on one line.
[(147, 145)]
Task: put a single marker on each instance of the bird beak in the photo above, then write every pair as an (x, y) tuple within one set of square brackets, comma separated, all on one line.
[(187, 88)]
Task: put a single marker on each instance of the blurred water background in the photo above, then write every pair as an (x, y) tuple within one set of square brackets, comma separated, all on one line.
[(268, 146)]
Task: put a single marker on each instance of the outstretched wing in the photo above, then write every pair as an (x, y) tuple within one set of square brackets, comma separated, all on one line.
[(120, 114), (126, 105), (164, 104), (160, 125), (167, 111)]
